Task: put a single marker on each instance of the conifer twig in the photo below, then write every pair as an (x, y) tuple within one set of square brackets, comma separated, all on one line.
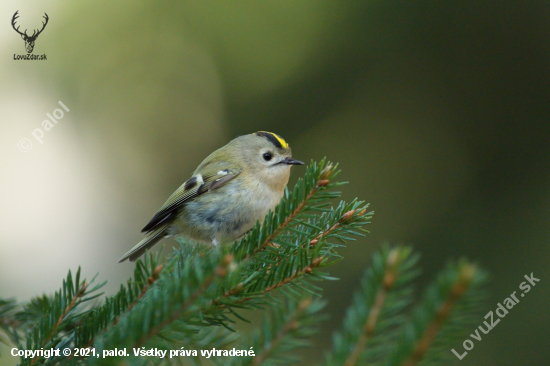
[(68, 308), (345, 217), (371, 322), (221, 271), (291, 325), (314, 264), (306, 270), (8, 322), (390, 276), (460, 287), (14, 323), (198, 290), (322, 182), (150, 281)]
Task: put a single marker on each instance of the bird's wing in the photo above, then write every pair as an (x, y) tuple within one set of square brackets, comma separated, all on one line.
[(197, 185)]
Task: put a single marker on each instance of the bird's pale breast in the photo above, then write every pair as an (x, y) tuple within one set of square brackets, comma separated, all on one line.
[(225, 214)]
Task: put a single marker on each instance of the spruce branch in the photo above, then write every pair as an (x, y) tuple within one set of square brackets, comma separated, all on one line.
[(220, 271), (150, 281), (342, 222), (275, 262), (46, 322), (368, 329), (171, 310), (194, 296), (100, 318), (370, 323), (289, 326), (453, 299), (295, 275), (8, 323), (295, 263), (77, 296)]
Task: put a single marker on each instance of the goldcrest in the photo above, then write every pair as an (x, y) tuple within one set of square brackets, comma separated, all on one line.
[(232, 189)]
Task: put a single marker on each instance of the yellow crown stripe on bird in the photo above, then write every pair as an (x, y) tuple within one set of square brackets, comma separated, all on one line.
[(274, 138)]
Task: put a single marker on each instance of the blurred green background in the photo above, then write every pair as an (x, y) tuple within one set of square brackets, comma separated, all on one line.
[(438, 112)]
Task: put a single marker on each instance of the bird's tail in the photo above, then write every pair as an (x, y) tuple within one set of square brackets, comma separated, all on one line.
[(150, 239)]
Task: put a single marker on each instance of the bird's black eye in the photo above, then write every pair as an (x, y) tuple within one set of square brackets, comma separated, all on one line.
[(267, 156)]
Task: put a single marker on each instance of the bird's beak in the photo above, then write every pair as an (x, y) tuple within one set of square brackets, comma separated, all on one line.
[(290, 161)]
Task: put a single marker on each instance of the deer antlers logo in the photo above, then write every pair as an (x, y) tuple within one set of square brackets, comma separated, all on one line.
[(29, 40)]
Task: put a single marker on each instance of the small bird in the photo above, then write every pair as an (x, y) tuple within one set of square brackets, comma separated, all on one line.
[(232, 188)]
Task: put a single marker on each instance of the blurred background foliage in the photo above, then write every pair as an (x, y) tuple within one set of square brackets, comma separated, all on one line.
[(438, 112)]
